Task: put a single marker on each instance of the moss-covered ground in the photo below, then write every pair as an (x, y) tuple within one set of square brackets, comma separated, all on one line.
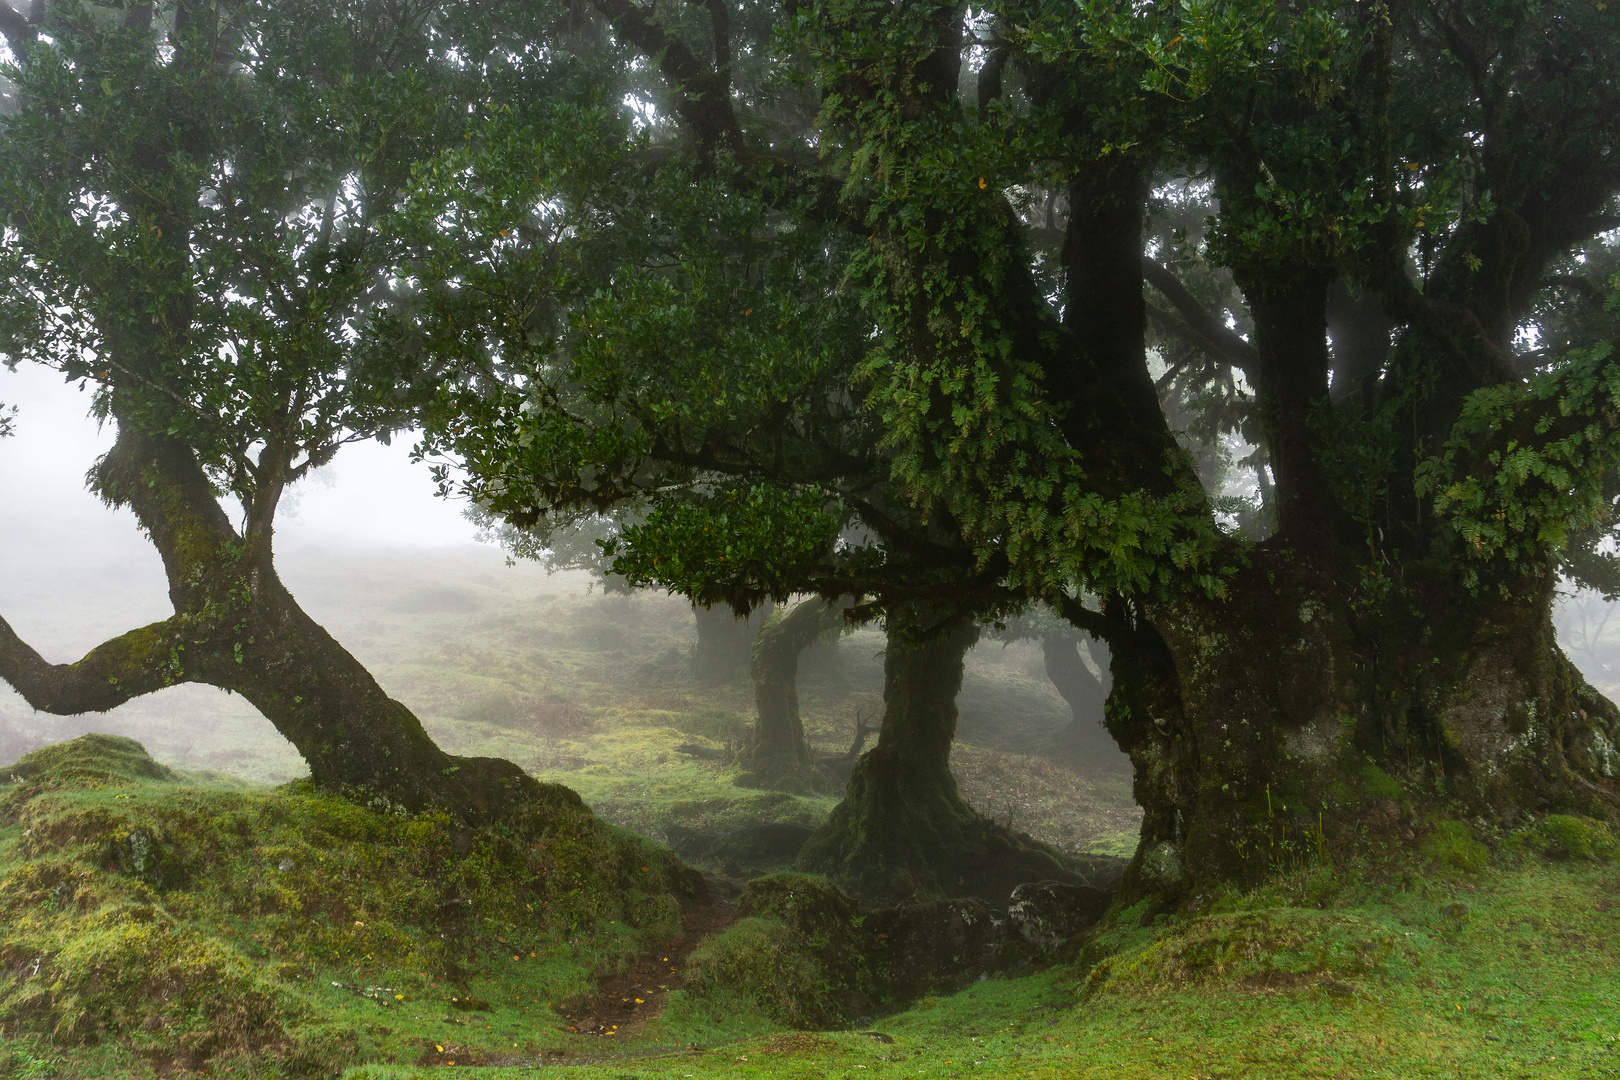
[(1511, 972), (151, 925)]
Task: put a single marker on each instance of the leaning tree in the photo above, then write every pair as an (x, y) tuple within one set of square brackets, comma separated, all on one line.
[(193, 198), (967, 309)]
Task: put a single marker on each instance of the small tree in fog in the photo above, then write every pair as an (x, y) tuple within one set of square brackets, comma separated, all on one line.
[(192, 195)]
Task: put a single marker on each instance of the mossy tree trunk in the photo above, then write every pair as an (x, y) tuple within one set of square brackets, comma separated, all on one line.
[(903, 827), (1269, 731), (237, 627), (778, 756)]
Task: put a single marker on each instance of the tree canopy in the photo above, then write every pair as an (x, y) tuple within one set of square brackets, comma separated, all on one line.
[(1270, 343), (1254, 338)]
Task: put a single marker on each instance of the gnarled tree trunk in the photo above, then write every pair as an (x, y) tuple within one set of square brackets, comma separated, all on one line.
[(778, 756), (1291, 724), (903, 827), (237, 627), (1085, 738)]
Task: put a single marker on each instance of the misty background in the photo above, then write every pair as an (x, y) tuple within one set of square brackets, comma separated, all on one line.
[(398, 576)]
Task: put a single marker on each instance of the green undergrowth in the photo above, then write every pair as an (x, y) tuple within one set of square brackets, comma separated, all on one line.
[(152, 924), (1509, 969)]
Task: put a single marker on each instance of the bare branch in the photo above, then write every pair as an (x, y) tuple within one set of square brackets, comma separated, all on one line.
[(1200, 326)]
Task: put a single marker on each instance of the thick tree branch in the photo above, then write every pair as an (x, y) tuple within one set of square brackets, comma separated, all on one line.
[(702, 96), (17, 30), (1201, 327), (127, 666), (1094, 623)]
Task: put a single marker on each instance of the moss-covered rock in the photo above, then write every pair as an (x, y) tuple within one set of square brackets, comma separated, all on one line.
[(1453, 846), (762, 963), (851, 962), (1565, 836), (1268, 949)]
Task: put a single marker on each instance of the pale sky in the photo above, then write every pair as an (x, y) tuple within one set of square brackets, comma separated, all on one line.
[(371, 495)]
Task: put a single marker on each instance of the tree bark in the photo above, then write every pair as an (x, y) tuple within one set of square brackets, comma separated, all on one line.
[(238, 628), (1291, 383), (1267, 728), (903, 828), (778, 756)]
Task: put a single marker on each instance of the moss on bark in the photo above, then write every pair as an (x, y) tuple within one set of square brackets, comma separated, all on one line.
[(1296, 723)]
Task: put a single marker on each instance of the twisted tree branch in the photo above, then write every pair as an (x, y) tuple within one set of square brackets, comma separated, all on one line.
[(1201, 327), (121, 668)]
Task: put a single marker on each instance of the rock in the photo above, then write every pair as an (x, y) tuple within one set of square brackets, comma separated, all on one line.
[(1048, 913), (923, 947), (144, 856), (771, 843)]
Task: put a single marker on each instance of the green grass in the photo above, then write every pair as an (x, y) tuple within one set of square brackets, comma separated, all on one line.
[(1386, 982)]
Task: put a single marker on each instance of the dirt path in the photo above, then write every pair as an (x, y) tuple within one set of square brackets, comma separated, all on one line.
[(624, 1003)]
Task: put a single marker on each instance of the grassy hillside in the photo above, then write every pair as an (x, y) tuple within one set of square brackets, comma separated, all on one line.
[(155, 925), (152, 923)]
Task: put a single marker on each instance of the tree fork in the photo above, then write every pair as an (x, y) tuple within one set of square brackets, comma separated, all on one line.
[(238, 628)]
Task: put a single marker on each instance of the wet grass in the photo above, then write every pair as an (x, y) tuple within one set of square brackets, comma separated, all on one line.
[(1514, 972)]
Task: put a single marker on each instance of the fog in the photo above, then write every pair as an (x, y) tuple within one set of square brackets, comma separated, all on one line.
[(360, 544), (74, 572)]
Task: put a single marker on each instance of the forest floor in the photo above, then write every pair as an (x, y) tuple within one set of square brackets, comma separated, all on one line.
[(153, 926), (229, 922)]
